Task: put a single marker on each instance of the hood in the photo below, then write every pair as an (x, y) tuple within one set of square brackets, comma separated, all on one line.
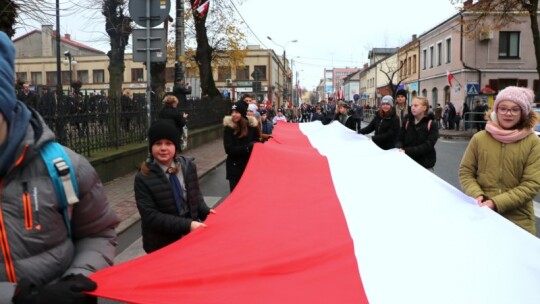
[(37, 134), (228, 122)]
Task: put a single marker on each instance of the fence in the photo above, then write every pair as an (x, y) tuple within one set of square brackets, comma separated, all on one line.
[(97, 123)]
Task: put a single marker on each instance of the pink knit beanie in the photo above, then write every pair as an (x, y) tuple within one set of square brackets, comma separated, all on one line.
[(522, 96)]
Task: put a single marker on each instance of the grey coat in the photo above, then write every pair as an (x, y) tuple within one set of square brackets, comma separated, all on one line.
[(40, 248)]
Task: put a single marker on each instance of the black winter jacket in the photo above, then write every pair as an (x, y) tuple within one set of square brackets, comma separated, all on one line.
[(238, 149), (161, 223), (386, 130), (419, 140), (168, 112)]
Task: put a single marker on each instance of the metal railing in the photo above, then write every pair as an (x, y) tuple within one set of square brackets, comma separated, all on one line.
[(91, 124)]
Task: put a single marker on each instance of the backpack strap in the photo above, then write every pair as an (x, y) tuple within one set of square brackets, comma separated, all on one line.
[(428, 124), (63, 179)]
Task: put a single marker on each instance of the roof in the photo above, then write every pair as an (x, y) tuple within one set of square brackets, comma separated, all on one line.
[(62, 39)]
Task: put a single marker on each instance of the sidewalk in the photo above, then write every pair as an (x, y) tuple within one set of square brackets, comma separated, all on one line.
[(120, 191), (449, 134)]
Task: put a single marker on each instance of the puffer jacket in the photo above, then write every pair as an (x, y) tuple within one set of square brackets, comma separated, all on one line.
[(418, 140), (238, 149), (386, 130), (40, 249), (508, 174), (161, 223), (174, 114)]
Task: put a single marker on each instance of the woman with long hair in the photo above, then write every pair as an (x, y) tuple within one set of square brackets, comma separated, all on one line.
[(385, 124), (240, 133), (419, 134), (500, 167)]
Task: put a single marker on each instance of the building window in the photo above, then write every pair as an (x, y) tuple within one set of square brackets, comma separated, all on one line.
[(434, 94), (508, 44), (50, 78), (262, 71), (224, 73), (242, 73), (431, 59), (414, 64), (424, 59), (21, 76), (137, 75), (424, 93), (448, 50), (409, 62), (82, 76), (98, 76), (36, 78), (169, 74), (65, 77), (439, 54), (446, 94)]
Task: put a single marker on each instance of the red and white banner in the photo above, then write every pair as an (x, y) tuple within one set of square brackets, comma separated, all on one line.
[(203, 8), (322, 215)]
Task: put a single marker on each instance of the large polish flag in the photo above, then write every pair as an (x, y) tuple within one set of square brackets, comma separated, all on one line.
[(338, 221)]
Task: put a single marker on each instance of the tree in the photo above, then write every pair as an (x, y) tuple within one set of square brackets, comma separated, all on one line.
[(226, 42), (118, 26), (499, 13), (8, 15)]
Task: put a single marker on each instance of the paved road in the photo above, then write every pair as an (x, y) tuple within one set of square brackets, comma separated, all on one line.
[(449, 154)]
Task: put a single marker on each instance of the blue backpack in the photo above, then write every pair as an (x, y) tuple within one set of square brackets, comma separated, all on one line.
[(63, 179)]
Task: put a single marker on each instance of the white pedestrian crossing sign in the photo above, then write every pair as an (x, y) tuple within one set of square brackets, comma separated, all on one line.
[(472, 89)]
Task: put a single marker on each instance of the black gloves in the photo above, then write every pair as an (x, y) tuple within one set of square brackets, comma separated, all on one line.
[(67, 291)]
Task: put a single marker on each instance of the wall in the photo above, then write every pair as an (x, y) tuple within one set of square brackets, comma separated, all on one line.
[(124, 161)]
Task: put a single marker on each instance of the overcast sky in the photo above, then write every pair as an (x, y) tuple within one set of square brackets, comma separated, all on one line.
[(331, 34)]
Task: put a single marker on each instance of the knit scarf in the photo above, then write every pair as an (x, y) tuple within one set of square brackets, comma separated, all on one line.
[(506, 136)]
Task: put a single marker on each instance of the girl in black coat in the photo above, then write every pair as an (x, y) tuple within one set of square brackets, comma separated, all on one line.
[(170, 111), (239, 134), (169, 208), (419, 134), (385, 124)]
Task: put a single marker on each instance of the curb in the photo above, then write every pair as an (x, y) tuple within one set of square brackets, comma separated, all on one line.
[(127, 223)]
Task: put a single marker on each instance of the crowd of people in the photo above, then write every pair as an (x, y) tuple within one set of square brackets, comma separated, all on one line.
[(46, 258)]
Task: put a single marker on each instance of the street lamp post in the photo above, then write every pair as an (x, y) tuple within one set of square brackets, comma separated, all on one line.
[(284, 47), (68, 55)]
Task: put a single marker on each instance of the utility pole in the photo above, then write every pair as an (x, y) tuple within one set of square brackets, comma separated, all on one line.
[(59, 91), (180, 50)]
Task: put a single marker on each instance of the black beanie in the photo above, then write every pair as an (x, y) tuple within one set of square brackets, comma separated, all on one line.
[(401, 92), (163, 129), (241, 107)]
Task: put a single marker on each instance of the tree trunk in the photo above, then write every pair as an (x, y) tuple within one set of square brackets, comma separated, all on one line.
[(203, 57), (118, 27), (8, 17), (157, 72)]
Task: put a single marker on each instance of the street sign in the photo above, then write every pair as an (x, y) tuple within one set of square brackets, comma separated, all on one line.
[(158, 51), (473, 89), (159, 10)]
